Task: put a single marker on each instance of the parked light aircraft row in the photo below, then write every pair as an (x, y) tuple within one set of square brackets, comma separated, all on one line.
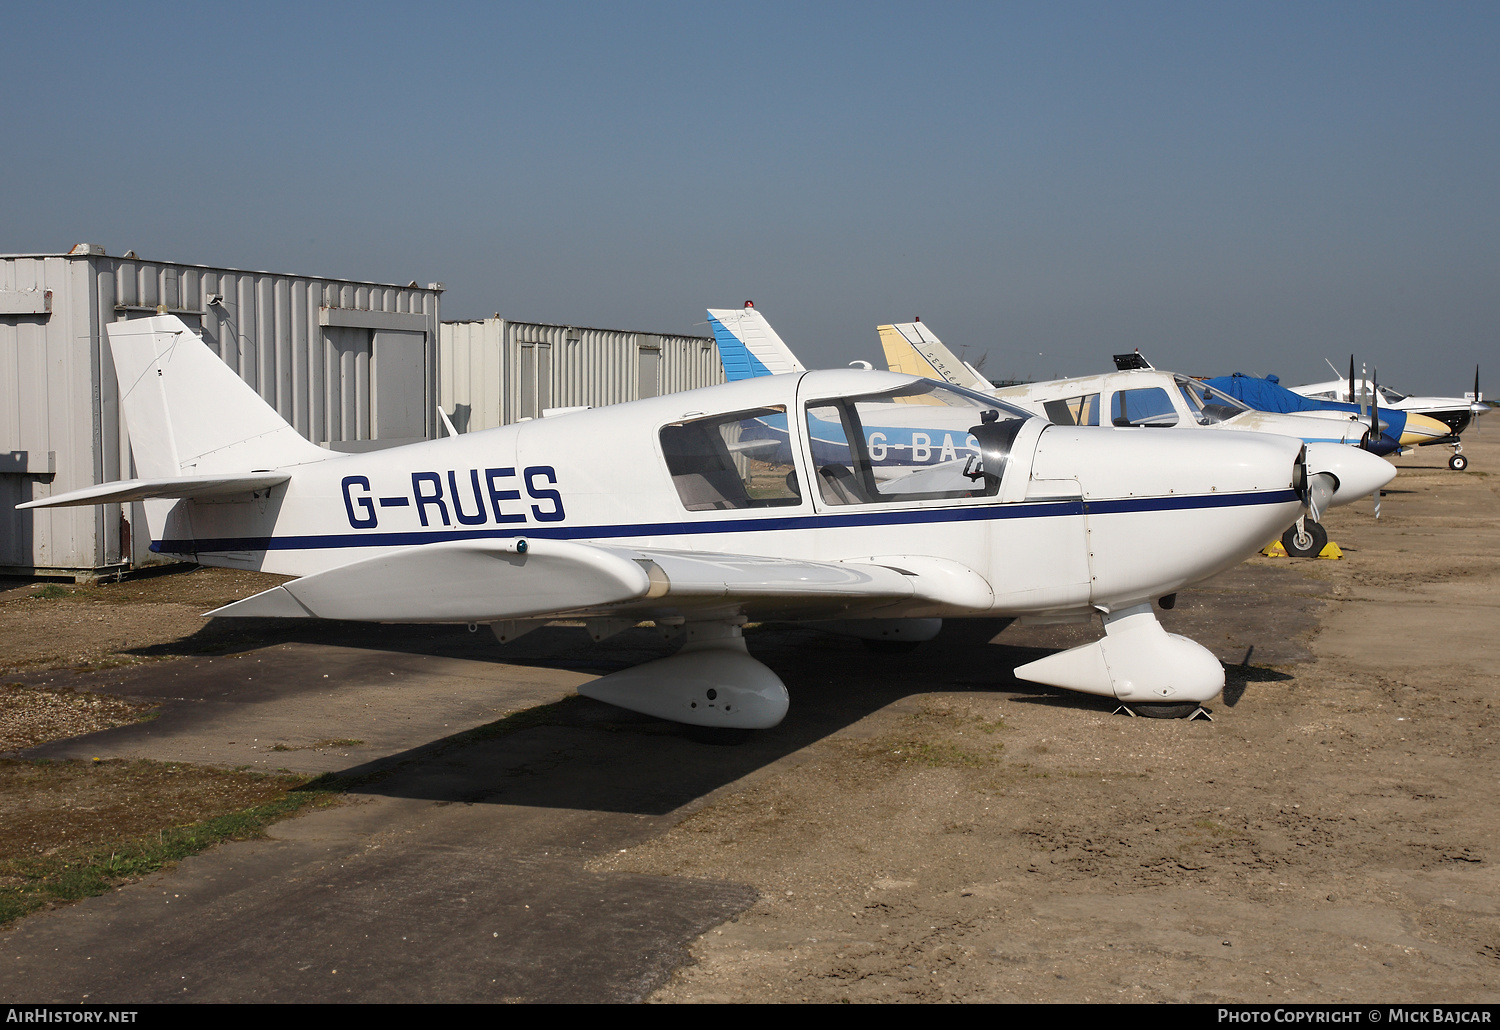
[(1135, 396), (766, 498), (1455, 413)]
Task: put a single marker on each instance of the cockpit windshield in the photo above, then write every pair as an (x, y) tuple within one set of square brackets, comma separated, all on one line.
[(912, 443), (1208, 405)]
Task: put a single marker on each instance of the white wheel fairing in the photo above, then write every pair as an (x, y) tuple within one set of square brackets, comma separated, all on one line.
[(715, 686), (1136, 661)]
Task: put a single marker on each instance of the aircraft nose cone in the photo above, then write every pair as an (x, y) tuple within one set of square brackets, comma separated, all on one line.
[(1359, 473), (1421, 429)]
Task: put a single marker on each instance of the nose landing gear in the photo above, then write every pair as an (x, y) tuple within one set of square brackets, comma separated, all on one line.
[(1305, 538)]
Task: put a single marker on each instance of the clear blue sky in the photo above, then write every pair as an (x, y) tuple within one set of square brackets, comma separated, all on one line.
[(1226, 186)]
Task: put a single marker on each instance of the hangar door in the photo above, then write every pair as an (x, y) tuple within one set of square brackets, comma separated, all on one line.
[(400, 384)]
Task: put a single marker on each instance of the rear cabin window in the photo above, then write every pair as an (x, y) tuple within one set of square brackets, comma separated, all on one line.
[(742, 460), (1073, 411)]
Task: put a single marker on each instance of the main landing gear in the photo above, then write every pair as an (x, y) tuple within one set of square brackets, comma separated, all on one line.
[(712, 683), (1191, 710), (1152, 672)]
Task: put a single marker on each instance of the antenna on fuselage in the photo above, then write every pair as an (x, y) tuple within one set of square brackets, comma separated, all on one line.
[(1134, 360)]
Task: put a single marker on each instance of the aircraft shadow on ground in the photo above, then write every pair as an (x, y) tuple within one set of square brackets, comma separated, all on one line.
[(584, 754)]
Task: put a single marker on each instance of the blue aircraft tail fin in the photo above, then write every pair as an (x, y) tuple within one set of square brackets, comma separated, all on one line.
[(748, 346)]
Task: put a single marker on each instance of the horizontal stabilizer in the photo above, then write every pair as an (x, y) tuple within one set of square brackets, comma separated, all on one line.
[(176, 487)]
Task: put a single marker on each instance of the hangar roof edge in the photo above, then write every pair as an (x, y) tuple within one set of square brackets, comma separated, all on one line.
[(230, 268)]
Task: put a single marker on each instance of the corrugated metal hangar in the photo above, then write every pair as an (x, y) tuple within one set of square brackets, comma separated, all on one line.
[(344, 362), (494, 371), (351, 365)]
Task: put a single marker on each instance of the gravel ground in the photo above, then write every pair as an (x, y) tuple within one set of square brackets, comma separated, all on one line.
[(29, 716)]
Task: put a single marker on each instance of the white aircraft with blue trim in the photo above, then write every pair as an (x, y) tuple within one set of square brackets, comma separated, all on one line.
[(1137, 395), (705, 510)]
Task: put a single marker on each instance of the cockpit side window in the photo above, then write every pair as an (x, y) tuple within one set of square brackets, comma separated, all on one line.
[(741, 460), (1208, 405), (1148, 406), (916, 443)]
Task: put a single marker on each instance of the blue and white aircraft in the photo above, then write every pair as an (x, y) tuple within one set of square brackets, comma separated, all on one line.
[(673, 509)]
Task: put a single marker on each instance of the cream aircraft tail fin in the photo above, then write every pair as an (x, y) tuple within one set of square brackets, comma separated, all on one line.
[(912, 348)]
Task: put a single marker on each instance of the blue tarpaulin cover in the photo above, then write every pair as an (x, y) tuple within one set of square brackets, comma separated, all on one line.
[(1269, 395)]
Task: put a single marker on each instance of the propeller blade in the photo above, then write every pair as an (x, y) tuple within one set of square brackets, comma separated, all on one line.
[(1352, 398), (1375, 405)]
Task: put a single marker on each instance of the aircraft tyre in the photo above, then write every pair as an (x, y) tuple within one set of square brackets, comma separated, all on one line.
[(1307, 544), (716, 736), (1458, 463), (1163, 709), (892, 646)]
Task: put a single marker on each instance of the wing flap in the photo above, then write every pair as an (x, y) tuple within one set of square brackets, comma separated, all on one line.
[(173, 488), (462, 581), (692, 575)]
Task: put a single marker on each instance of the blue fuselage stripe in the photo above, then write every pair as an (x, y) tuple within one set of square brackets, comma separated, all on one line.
[(910, 517)]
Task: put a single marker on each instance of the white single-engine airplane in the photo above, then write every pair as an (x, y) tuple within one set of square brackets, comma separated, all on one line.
[(1140, 395), (707, 509)]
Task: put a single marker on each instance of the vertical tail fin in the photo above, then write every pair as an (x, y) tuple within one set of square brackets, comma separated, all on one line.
[(748, 346), (912, 348), (188, 413)]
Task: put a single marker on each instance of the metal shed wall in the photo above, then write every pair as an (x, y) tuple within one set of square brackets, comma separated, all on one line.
[(311, 347), (495, 371)]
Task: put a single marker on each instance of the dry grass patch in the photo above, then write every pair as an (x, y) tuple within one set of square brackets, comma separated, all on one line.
[(30, 716), (75, 829)]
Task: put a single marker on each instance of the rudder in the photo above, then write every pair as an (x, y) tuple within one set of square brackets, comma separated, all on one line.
[(188, 413)]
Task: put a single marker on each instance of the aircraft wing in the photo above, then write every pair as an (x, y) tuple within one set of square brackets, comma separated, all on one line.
[(177, 487), (748, 346), (497, 580), (912, 348)]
